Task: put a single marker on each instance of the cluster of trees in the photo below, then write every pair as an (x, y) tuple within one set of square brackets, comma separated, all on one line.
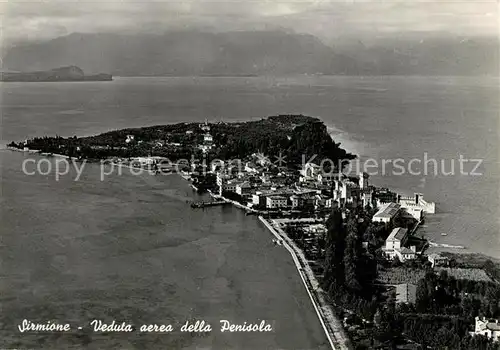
[(291, 136), (429, 331), (443, 294), (442, 316), (145, 134), (349, 271)]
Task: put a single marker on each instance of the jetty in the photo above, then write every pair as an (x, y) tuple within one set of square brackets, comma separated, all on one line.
[(203, 204)]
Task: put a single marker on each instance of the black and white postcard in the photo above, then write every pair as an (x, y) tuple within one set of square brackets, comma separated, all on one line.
[(249, 174)]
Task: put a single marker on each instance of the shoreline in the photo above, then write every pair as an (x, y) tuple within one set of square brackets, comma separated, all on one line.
[(349, 144), (331, 324), (442, 247)]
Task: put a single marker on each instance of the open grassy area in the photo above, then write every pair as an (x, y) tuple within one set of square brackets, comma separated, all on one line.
[(400, 275), (471, 274)]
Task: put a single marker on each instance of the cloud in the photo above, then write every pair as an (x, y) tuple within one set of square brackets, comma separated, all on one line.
[(31, 20)]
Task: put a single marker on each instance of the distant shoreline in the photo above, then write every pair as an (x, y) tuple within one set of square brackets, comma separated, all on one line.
[(309, 76)]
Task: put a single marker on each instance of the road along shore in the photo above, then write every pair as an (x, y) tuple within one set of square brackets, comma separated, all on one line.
[(329, 321)]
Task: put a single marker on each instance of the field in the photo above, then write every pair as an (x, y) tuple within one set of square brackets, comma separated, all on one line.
[(466, 274), (400, 275)]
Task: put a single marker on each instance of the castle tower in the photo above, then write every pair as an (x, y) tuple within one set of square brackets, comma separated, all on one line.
[(363, 180)]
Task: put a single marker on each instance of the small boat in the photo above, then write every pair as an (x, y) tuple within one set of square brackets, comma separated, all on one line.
[(444, 234)]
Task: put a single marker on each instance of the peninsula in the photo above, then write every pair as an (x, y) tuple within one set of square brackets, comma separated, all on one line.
[(291, 136), (62, 74), (355, 245)]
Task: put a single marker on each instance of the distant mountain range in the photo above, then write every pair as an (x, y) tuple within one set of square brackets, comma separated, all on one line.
[(195, 53), (70, 73)]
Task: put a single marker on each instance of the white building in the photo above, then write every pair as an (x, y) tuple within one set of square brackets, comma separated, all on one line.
[(205, 127), (395, 245), (243, 188), (144, 160), (327, 177), (296, 201), (437, 260), (227, 187), (417, 202), (310, 172), (205, 148), (129, 138), (208, 138), (363, 180), (251, 167), (273, 202), (396, 239), (413, 212), (387, 213), (488, 328), (316, 228), (221, 178)]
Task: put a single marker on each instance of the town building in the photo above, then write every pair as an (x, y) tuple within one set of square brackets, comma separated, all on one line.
[(309, 172), (488, 328), (205, 127), (317, 229), (296, 201), (243, 188), (275, 202), (229, 186), (324, 177), (363, 181), (417, 202), (396, 239), (221, 178), (387, 213), (251, 167), (395, 245), (129, 138), (384, 195), (321, 201), (205, 148), (406, 293), (208, 138), (367, 197), (144, 160), (437, 260), (412, 213)]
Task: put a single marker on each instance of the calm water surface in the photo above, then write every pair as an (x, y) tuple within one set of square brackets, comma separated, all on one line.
[(130, 248)]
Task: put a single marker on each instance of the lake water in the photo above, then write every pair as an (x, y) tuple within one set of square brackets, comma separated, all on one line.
[(130, 248)]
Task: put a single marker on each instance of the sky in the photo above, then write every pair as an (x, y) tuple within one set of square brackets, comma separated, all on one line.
[(33, 20)]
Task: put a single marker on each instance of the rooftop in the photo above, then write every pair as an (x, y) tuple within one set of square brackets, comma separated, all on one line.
[(388, 210), (397, 234), (405, 250), (277, 197), (488, 324)]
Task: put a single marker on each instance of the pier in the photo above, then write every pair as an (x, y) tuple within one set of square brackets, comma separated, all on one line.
[(202, 204)]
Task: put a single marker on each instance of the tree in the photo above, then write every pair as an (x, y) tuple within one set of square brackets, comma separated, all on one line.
[(334, 252), (352, 255)]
